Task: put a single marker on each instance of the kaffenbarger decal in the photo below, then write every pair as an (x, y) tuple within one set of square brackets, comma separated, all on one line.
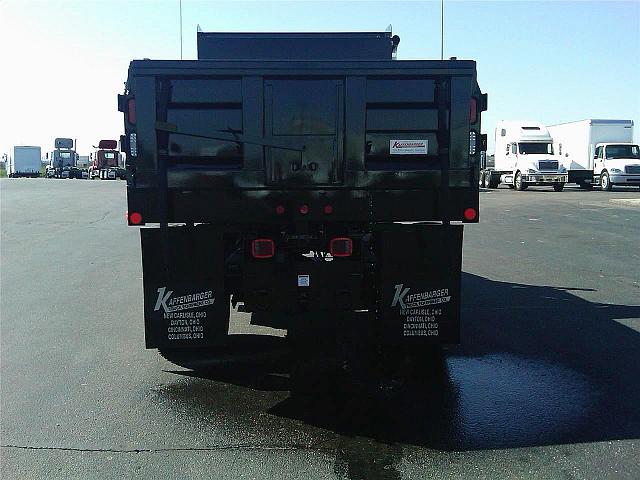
[(184, 316), (408, 147), (421, 311), (169, 303)]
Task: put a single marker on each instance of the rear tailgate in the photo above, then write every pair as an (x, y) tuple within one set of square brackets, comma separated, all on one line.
[(390, 137)]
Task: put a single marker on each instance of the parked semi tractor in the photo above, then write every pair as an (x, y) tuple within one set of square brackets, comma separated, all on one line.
[(598, 152), (105, 162), (273, 174), (62, 161), (523, 157), (25, 162)]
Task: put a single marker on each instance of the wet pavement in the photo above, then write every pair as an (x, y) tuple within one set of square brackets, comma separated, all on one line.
[(544, 385)]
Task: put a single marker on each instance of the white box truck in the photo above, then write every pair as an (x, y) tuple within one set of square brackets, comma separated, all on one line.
[(26, 162), (523, 157), (598, 152)]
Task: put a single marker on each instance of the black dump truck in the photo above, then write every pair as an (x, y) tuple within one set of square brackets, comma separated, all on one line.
[(311, 179)]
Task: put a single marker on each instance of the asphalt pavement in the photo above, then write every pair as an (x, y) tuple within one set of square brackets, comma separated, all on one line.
[(545, 384)]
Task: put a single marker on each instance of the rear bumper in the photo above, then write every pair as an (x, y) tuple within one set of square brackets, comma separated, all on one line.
[(545, 178), (624, 179)]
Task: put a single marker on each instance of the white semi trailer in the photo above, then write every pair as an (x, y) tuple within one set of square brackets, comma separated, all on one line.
[(523, 157), (598, 152), (26, 162)]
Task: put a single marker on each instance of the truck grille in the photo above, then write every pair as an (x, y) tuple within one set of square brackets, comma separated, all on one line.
[(548, 165), (634, 169)]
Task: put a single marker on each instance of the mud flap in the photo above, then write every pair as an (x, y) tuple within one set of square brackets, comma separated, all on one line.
[(419, 283), (185, 304)]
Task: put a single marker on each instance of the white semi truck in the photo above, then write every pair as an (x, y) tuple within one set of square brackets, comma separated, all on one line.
[(598, 152), (523, 156), (25, 162)]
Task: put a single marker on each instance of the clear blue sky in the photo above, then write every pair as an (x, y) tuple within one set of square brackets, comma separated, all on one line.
[(547, 61)]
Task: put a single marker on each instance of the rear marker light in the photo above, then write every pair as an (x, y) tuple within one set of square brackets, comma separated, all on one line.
[(131, 110), (341, 247), (135, 218), (473, 110), (280, 210), (263, 248), (328, 209), (470, 214), (304, 209)]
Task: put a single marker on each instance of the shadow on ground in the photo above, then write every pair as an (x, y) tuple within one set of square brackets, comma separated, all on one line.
[(539, 366)]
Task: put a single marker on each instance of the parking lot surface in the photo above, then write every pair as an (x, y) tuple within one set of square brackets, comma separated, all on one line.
[(544, 385)]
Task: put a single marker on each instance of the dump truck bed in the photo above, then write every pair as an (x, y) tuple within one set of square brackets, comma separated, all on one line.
[(230, 141)]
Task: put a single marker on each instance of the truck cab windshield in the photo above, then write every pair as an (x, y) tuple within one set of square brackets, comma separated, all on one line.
[(536, 148), (622, 151)]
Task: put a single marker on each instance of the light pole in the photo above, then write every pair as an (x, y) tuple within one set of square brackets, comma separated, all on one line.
[(180, 29), (441, 29)]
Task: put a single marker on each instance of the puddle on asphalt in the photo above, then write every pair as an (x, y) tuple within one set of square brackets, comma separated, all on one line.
[(504, 400), (470, 403)]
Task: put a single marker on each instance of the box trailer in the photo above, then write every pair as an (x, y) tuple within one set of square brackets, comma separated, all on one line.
[(576, 144), (25, 162), (279, 185), (523, 157)]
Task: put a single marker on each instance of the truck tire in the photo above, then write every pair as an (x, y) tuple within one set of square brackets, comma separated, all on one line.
[(558, 187), (518, 183), (492, 180), (605, 182)]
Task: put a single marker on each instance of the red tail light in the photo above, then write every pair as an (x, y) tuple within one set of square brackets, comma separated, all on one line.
[(135, 218), (280, 209), (473, 110), (470, 214), (131, 110), (341, 247), (263, 248), (328, 209)]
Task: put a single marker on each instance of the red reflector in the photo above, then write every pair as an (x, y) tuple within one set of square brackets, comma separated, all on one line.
[(263, 248), (341, 247), (473, 110), (304, 209), (135, 218), (280, 210), (328, 209), (131, 110), (470, 214)]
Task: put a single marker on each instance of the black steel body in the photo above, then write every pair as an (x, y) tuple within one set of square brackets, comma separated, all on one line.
[(320, 128), (221, 153)]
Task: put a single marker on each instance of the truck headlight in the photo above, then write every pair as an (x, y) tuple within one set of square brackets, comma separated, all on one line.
[(616, 170)]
